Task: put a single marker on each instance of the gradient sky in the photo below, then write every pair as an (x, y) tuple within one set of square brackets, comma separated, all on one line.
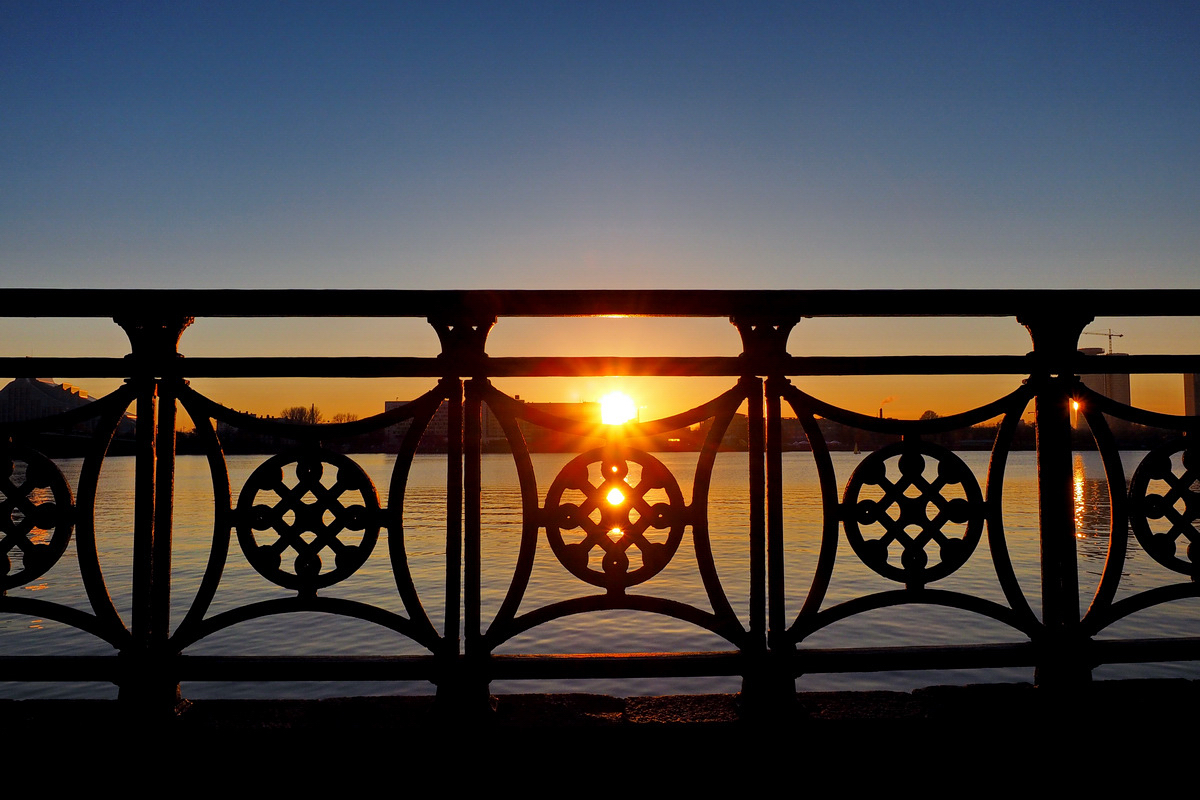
[(567, 145)]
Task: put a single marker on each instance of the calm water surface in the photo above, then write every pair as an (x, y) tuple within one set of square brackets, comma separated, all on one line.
[(623, 631)]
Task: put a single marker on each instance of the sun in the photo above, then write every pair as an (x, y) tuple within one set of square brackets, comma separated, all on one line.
[(617, 408)]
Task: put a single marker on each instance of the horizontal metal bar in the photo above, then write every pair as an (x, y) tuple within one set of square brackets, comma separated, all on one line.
[(880, 659), (554, 366), (374, 668), (109, 669), (886, 659), (615, 665), (43, 366), (1137, 365), (592, 302), (306, 668), (787, 365), (582, 666), (103, 669), (1143, 651)]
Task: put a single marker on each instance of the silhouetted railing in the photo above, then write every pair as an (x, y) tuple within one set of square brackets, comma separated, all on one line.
[(615, 517)]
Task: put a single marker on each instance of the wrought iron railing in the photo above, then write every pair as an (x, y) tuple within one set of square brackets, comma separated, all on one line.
[(309, 517)]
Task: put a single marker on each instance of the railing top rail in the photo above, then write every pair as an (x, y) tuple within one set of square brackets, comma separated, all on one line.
[(477, 303)]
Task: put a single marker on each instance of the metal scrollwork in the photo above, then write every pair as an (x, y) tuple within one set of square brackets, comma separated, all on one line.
[(615, 516), (1178, 504), (308, 518), (913, 511), (36, 514)]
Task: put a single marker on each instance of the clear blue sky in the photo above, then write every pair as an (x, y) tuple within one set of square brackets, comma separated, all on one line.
[(578, 144)]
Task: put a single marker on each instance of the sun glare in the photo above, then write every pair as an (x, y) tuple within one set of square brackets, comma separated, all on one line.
[(615, 497), (617, 408)]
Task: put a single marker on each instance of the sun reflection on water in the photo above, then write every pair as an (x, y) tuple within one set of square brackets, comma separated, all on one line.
[(1078, 477)]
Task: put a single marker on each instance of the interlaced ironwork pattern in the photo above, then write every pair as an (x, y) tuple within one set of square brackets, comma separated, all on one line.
[(331, 538), (308, 518), (36, 515), (914, 511), (1158, 505), (615, 517), (1159, 493)]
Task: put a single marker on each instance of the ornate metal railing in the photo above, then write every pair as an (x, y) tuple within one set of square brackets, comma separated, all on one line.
[(308, 518)]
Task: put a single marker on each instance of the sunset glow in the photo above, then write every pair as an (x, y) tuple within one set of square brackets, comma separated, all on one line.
[(617, 408), (541, 162)]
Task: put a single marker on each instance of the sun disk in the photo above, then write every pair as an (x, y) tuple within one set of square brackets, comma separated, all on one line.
[(617, 408)]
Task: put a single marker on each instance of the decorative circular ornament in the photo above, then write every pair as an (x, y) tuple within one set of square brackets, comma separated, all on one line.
[(303, 515), (913, 511), (36, 514), (614, 516), (1175, 501)]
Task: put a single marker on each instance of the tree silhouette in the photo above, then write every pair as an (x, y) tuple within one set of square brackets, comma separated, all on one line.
[(304, 416)]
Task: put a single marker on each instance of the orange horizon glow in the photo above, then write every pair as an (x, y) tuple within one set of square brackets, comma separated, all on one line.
[(659, 397), (898, 396)]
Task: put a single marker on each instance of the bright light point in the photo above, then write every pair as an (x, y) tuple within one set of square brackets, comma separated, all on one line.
[(614, 534), (1075, 404), (617, 408), (615, 497)]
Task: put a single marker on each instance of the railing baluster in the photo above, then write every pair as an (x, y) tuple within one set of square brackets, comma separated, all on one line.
[(149, 683), (454, 526), (777, 618), (142, 577), (472, 563), (1055, 341), (764, 351), (758, 542), (463, 338)]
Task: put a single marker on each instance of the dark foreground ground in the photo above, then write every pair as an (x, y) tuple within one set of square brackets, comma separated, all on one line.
[(1113, 739), (937, 720)]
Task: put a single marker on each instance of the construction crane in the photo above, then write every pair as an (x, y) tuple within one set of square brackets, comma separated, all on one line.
[(1110, 336)]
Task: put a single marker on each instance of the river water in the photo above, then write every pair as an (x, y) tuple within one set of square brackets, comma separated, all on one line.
[(615, 632)]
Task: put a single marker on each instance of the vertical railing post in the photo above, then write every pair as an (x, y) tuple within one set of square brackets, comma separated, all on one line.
[(776, 619), (465, 688), (454, 530), (1055, 337), (472, 545), (149, 684), (758, 538), (767, 686)]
